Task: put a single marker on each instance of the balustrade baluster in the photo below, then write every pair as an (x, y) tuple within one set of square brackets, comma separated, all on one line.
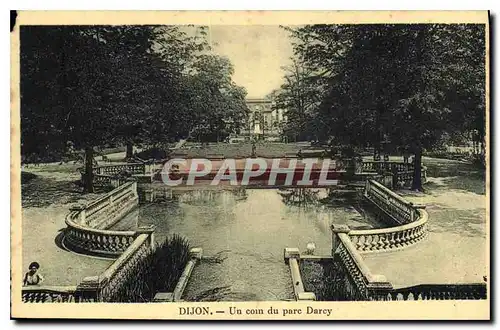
[(413, 236), (404, 237), (360, 246), (369, 243), (376, 242), (409, 236)]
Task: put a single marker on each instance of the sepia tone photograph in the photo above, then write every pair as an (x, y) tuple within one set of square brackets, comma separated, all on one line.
[(299, 163)]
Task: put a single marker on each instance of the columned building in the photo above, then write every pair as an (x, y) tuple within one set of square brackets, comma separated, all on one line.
[(263, 122)]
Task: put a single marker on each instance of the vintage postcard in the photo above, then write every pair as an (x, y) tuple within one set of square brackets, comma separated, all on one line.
[(250, 165)]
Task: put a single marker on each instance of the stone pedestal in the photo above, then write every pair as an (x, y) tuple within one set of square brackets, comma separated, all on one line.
[(196, 253), (88, 289), (336, 230), (291, 253), (164, 297), (306, 296), (150, 231)]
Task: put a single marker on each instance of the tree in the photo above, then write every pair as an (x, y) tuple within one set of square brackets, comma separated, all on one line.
[(99, 85), (409, 83), (299, 96)]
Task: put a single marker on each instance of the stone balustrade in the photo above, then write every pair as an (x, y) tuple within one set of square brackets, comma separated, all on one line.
[(97, 242), (410, 221), (389, 239), (131, 168), (470, 291), (50, 294), (103, 288), (403, 171), (109, 175), (411, 226), (87, 225), (399, 210), (360, 283)]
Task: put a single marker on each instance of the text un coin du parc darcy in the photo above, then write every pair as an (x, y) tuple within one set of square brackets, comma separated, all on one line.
[(255, 311)]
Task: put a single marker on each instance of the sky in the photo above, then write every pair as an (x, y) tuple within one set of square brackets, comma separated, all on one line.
[(257, 53)]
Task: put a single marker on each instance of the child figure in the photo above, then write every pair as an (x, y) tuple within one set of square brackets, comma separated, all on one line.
[(32, 277)]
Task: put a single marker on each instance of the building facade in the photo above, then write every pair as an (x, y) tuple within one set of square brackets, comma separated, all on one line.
[(263, 122)]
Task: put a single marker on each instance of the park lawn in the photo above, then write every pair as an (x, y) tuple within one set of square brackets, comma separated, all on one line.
[(244, 150)]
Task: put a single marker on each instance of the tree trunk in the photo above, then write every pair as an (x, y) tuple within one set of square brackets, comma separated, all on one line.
[(130, 150), (88, 185), (417, 170)]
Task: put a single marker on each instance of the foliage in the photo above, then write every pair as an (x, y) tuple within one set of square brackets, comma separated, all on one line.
[(90, 86), (406, 85), (159, 271)]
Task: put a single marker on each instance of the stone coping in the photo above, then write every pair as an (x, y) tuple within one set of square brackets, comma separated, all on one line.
[(422, 219)]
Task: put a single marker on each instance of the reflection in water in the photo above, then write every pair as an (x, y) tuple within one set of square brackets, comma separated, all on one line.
[(302, 196), (243, 233)]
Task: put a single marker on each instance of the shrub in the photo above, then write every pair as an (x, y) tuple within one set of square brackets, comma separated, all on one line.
[(159, 271), (154, 153)]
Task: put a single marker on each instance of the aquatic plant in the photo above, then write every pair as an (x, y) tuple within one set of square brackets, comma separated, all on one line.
[(325, 279), (159, 271)]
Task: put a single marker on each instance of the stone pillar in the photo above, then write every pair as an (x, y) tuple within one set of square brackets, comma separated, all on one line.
[(148, 169), (291, 253), (150, 231), (134, 187), (148, 195), (89, 289), (336, 230), (81, 209), (358, 165), (379, 288), (388, 180), (196, 253)]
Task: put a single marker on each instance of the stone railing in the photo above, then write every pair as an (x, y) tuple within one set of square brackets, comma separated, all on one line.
[(472, 291), (410, 227), (99, 288), (390, 166), (86, 225), (50, 294), (410, 221), (389, 239), (131, 168), (402, 170), (360, 283), (399, 210), (109, 175), (104, 287)]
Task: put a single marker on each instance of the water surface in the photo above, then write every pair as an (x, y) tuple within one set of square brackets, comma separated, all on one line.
[(244, 233)]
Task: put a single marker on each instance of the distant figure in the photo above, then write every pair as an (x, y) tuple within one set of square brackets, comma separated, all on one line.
[(299, 154), (310, 248), (254, 150), (32, 277)]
